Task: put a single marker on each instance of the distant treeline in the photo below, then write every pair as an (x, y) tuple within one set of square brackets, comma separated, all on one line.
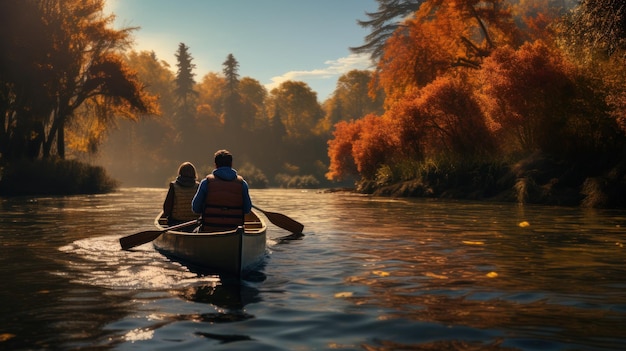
[(505, 99)]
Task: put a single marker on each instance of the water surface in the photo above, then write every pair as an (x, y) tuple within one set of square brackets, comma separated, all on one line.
[(368, 274)]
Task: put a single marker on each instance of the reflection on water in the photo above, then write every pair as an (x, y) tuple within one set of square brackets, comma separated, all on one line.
[(372, 274)]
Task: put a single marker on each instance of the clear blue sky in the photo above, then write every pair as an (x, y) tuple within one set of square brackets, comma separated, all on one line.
[(273, 40)]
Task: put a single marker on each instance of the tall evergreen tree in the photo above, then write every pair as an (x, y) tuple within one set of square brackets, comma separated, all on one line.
[(186, 99), (233, 119), (184, 77), (231, 72)]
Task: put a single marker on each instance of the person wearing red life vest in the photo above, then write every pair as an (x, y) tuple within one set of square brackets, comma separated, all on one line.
[(223, 197)]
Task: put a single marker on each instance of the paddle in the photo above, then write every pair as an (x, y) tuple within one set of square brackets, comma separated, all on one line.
[(137, 239), (280, 220)]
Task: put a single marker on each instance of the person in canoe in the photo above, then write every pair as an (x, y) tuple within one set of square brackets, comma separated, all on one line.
[(176, 206), (223, 197)]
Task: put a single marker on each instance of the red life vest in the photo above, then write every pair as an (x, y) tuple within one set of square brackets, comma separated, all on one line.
[(223, 205)]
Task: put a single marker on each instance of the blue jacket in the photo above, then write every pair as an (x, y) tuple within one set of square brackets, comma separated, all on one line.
[(226, 173)]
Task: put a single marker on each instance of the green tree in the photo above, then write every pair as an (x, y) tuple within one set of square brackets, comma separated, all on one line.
[(234, 112), (185, 82)]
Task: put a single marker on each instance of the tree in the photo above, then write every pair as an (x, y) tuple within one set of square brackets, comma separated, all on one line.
[(530, 95), (184, 78), (210, 96), (599, 24), (254, 96), (441, 37), (383, 24), (351, 99), (234, 114), (297, 106), (231, 72), (76, 58), (444, 119)]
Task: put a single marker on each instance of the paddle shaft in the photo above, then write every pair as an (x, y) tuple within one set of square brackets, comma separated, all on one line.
[(141, 238), (280, 220)]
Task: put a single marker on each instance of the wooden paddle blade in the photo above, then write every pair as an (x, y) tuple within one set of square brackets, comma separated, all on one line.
[(131, 241), (284, 222)]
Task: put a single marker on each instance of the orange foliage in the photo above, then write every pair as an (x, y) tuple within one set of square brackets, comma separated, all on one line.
[(375, 145), (340, 150), (528, 91), (445, 117), (417, 53), (537, 16), (360, 147), (442, 35)]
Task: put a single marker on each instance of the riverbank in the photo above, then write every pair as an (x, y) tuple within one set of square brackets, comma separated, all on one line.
[(54, 177), (537, 179)]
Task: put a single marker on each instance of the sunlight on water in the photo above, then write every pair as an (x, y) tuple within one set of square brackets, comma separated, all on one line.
[(139, 334), (369, 273), (99, 261)]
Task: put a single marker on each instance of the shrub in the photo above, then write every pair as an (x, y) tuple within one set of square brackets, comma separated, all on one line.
[(54, 177)]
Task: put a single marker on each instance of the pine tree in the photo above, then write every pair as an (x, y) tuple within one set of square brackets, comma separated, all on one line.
[(184, 77)]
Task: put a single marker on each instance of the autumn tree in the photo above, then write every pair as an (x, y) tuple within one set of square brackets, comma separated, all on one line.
[(529, 94), (254, 95), (210, 96), (298, 108), (75, 58), (383, 23), (342, 164), (441, 37), (351, 99), (444, 119), (143, 149), (600, 24), (594, 37)]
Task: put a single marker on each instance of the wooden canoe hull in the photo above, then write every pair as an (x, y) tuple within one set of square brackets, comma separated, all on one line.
[(233, 252)]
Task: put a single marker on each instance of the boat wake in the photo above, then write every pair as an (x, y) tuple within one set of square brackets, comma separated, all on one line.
[(99, 261)]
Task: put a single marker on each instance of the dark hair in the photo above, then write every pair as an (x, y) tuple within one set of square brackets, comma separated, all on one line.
[(223, 158), (187, 169)]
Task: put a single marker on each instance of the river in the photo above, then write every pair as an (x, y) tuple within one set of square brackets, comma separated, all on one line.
[(368, 274)]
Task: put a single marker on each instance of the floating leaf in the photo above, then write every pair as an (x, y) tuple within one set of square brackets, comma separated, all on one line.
[(381, 273), (433, 275), (343, 294), (468, 242), (492, 274), (524, 224)]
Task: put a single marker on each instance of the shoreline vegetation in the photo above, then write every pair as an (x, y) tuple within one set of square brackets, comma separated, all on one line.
[(54, 177), (536, 179)]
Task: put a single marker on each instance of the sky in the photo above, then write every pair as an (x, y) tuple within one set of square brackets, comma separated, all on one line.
[(273, 40)]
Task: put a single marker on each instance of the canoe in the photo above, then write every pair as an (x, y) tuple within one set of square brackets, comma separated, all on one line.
[(234, 252)]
